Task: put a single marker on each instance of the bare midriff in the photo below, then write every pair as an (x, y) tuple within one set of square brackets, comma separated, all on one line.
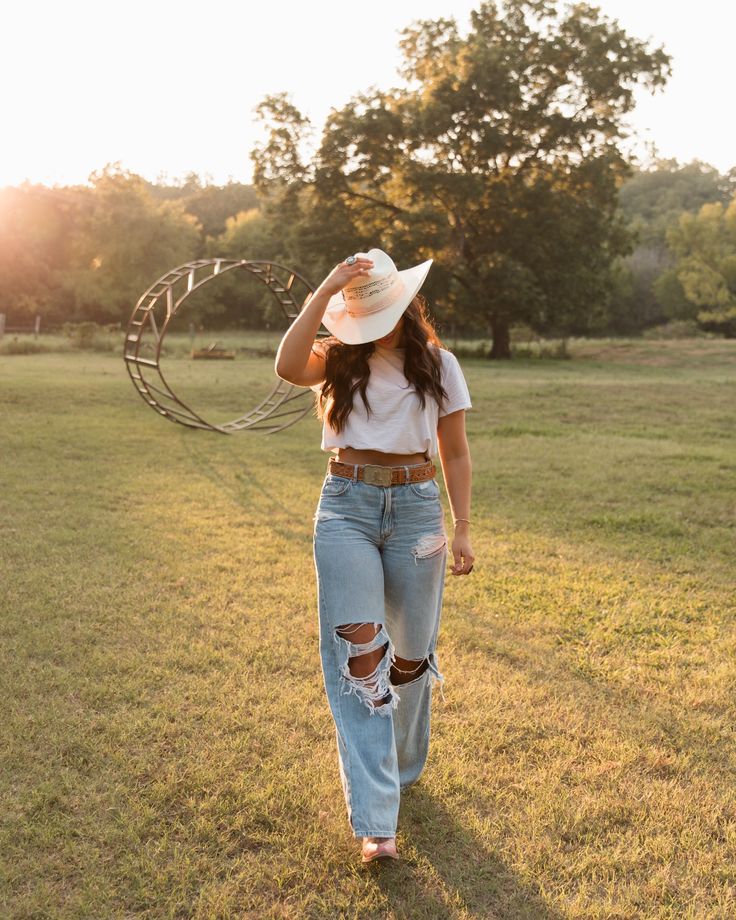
[(362, 455)]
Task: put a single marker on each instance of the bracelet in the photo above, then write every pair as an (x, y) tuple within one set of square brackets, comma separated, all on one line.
[(455, 520)]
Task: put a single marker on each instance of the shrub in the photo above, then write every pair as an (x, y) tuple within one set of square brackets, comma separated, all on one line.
[(470, 349), (25, 346), (82, 335), (676, 329), (556, 349), (94, 337)]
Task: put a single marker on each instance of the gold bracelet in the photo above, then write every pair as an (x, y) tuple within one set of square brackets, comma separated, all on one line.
[(455, 520)]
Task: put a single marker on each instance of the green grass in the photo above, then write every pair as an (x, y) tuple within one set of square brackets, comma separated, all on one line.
[(176, 344), (166, 749)]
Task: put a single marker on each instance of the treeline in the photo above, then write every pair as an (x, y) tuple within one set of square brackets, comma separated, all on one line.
[(88, 252), (682, 221), (499, 157)]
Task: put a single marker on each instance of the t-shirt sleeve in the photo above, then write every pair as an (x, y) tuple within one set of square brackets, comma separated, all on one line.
[(453, 380)]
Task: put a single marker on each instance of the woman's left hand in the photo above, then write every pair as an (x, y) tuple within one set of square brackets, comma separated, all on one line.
[(462, 552)]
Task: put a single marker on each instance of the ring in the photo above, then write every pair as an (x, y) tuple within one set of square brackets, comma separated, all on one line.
[(351, 260)]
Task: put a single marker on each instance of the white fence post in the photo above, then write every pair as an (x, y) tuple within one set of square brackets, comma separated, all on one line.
[(37, 326)]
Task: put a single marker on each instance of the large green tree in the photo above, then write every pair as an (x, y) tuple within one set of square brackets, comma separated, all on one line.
[(212, 205), (124, 240), (652, 199), (284, 182), (89, 252), (646, 290), (36, 225), (702, 284), (499, 157), (236, 298)]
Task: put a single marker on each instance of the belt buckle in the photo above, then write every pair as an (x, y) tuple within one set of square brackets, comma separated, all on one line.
[(377, 475)]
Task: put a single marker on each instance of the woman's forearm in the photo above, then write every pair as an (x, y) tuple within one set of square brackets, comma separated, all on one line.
[(458, 477), (292, 354), (293, 351)]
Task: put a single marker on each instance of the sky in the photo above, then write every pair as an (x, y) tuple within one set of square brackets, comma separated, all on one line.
[(167, 88)]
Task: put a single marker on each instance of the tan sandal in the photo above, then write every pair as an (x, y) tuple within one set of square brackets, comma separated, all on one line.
[(379, 848)]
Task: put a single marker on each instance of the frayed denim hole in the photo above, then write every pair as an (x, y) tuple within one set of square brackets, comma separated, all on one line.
[(435, 671), (376, 685), (429, 546)]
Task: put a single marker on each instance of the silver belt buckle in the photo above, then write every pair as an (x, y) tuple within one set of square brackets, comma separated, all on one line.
[(377, 475)]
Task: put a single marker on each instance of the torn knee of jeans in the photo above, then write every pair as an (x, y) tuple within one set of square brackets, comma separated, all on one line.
[(435, 669), (407, 671), (404, 671), (374, 689), (429, 546)]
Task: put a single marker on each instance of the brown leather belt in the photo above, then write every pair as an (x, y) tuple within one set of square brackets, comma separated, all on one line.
[(377, 475)]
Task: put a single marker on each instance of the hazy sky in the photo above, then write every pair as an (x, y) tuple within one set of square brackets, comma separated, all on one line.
[(169, 87)]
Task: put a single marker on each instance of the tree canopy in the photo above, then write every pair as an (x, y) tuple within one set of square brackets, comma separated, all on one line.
[(498, 157), (702, 283)]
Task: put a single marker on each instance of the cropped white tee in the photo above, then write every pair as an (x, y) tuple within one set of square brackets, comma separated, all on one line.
[(397, 424)]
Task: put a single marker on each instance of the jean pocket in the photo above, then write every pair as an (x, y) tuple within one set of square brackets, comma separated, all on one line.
[(428, 488), (335, 485)]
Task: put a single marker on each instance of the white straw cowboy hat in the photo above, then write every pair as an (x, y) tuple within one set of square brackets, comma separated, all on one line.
[(369, 307)]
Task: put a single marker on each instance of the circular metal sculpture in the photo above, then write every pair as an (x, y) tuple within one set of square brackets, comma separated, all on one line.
[(152, 317)]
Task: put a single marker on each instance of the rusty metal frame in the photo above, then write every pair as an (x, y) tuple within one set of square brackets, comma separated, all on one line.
[(156, 309)]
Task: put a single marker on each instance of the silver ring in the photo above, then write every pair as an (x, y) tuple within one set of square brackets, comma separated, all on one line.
[(351, 260)]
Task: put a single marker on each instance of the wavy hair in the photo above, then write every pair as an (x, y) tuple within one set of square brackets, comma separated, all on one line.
[(347, 370)]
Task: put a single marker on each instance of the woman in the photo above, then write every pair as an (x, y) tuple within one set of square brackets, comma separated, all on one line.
[(380, 546)]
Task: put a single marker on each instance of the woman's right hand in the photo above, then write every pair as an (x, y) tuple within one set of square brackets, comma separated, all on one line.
[(341, 274)]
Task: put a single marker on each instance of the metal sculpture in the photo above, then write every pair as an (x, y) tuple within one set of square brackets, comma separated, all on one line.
[(153, 315)]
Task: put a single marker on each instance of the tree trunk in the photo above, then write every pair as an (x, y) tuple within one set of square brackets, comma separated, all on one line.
[(501, 347)]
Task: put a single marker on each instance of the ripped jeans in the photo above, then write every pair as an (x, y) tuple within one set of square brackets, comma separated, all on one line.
[(380, 556)]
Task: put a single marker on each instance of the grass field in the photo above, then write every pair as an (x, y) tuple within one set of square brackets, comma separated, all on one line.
[(166, 749)]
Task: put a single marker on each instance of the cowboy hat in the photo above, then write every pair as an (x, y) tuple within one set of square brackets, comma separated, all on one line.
[(368, 308)]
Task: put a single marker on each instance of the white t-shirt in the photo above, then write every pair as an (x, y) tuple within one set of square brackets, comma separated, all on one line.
[(397, 424)]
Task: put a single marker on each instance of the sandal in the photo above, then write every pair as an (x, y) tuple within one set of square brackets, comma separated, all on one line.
[(379, 848)]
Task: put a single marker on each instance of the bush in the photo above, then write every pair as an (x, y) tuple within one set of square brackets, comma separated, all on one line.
[(470, 349), (82, 335), (542, 349), (521, 332), (721, 322), (536, 348), (676, 329), (92, 336), (24, 346)]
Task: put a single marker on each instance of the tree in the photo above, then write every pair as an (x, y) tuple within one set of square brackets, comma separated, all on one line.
[(652, 199), (125, 240), (280, 175), (35, 224), (647, 291), (237, 298), (211, 204), (704, 276), (498, 158)]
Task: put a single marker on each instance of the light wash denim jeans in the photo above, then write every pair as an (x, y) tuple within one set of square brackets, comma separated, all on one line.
[(380, 555)]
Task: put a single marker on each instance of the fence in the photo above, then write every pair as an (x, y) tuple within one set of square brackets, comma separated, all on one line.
[(35, 328)]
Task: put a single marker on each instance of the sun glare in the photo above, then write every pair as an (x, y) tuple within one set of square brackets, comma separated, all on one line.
[(165, 90)]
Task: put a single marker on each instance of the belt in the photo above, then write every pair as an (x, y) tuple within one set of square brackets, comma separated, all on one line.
[(377, 475)]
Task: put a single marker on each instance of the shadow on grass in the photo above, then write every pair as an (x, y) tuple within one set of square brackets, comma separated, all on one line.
[(465, 875), (248, 484)]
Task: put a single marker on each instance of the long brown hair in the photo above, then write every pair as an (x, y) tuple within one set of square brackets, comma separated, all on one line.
[(347, 370)]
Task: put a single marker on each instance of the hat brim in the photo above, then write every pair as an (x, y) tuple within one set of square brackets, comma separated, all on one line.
[(356, 330)]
